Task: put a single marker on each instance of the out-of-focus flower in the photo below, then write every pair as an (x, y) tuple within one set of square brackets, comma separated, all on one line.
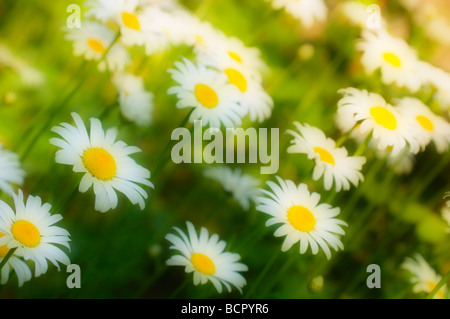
[(397, 61), (333, 163), (243, 187), (254, 99), (424, 278), (104, 161), (389, 128), (427, 125), (204, 255), (10, 170), (303, 219), (21, 269), (31, 229), (215, 101), (92, 41), (307, 11), (136, 104)]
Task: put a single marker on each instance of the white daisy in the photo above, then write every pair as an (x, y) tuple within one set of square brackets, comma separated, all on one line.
[(104, 161), (223, 50), (254, 99), (440, 80), (424, 277), (215, 101), (428, 126), (389, 129), (398, 62), (136, 104), (332, 162), (307, 11), (205, 257), (31, 229), (357, 13), (166, 28), (303, 219), (21, 269), (243, 187), (10, 170), (92, 41)]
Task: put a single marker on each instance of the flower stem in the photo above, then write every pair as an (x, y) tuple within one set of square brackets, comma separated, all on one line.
[(161, 159), (431, 176), (180, 288), (362, 147), (345, 137), (262, 274), (8, 255), (59, 106)]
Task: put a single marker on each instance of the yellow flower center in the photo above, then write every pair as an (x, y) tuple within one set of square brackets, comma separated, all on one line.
[(324, 155), (236, 57), (425, 122), (3, 249), (301, 218), (432, 285), (131, 21), (26, 233), (206, 96), (392, 59), (203, 264), (96, 45), (383, 117), (100, 163), (236, 78)]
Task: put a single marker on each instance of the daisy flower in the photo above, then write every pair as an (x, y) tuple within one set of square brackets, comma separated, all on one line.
[(104, 161), (21, 269), (357, 13), (254, 99), (166, 28), (136, 104), (333, 163), (93, 40), (398, 62), (428, 126), (215, 101), (388, 127), (307, 11), (424, 278), (303, 219), (242, 186), (204, 256), (30, 229), (201, 35), (228, 50), (10, 170)]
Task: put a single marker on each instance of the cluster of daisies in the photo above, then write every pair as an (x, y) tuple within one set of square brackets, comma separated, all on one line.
[(27, 232), (222, 85)]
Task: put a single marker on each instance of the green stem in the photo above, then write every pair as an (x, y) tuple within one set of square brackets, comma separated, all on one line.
[(8, 255), (439, 285), (161, 159), (262, 274), (362, 147), (431, 176), (345, 137), (59, 106), (180, 288)]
